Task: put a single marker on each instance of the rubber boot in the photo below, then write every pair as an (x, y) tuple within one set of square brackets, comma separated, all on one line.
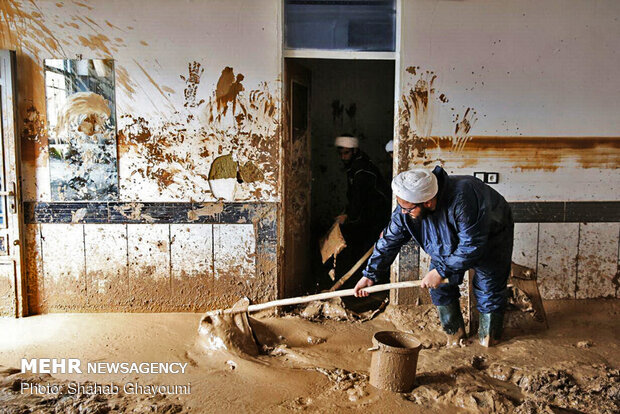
[(490, 328), (452, 323)]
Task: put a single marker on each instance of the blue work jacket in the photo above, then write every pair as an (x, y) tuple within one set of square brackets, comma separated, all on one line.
[(471, 227)]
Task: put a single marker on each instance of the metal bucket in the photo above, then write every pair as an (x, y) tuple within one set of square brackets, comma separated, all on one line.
[(394, 361)]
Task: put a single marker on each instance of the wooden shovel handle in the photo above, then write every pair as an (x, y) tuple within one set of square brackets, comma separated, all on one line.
[(320, 296), (350, 273)]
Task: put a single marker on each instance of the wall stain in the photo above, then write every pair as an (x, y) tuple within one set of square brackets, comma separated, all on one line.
[(133, 211), (228, 89), (351, 110), (97, 43), (191, 84), (337, 110), (83, 5), (123, 80), (417, 109), (78, 215), (207, 210), (535, 153), (412, 70), (251, 132), (22, 29), (462, 128), (174, 150), (17, 25), (155, 84), (33, 125)]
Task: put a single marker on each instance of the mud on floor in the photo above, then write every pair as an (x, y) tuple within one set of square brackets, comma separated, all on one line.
[(321, 365)]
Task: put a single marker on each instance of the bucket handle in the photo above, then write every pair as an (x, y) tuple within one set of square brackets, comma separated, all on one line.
[(373, 349)]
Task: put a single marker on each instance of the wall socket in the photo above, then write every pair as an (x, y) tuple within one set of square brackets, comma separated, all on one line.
[(487, 177)]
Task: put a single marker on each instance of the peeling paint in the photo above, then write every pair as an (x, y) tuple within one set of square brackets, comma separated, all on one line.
[(78, 215), (223, 167), (250, 173)]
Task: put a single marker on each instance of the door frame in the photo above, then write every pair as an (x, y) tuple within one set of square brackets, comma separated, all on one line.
[(286, 53), (12, 178)]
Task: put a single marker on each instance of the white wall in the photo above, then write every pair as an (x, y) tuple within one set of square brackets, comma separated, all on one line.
[(527, 69)]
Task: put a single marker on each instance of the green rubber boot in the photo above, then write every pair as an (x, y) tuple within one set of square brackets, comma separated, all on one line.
[(490, 328), (452, 323)]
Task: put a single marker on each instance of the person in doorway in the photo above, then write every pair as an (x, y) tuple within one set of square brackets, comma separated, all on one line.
[(462, 224), (368, 194), (368, 202)]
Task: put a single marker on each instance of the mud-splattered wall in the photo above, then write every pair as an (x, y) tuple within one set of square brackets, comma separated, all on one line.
[(190, 87), (194, 81), (527, 89)]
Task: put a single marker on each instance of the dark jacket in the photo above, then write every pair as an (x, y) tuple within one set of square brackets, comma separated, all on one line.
[(471, 227), (368, 202)]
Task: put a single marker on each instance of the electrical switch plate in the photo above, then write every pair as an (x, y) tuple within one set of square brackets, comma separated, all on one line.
[(487, 177)]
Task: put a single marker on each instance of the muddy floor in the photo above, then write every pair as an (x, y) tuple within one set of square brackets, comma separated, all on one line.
[(320, 365)]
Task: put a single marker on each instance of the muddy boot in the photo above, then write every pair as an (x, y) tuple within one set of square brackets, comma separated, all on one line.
[(452, 323), (490, 328)]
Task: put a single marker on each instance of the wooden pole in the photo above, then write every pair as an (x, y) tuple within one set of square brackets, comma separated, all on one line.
[(318, 296)]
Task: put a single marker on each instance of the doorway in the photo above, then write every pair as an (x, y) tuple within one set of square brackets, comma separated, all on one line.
[(346, 97)]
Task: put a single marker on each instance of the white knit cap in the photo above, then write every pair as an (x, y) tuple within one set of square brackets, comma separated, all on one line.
[(389, 147), (347, 142), (415, 186)]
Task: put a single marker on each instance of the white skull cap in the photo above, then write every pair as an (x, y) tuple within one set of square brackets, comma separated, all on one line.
[(347, 142), (389, 147), (415, 186)]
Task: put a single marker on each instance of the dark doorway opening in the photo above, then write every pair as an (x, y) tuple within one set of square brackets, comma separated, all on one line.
[(347, 97)]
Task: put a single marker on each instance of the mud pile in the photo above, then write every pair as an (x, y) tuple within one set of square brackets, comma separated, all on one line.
[(590, 389), (502, 388)]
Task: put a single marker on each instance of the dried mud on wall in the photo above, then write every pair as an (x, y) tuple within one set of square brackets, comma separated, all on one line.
[(174, 156), (171, 125), (418, 105), (148, 267)]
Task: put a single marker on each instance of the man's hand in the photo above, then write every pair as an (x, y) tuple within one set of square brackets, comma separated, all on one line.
[(362, 283), (432, 279), (341, 219)]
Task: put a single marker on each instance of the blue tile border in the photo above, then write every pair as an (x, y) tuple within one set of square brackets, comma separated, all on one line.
[(264, 214)]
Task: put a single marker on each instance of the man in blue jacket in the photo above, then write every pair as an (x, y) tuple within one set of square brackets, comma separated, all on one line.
[(461, 223)]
